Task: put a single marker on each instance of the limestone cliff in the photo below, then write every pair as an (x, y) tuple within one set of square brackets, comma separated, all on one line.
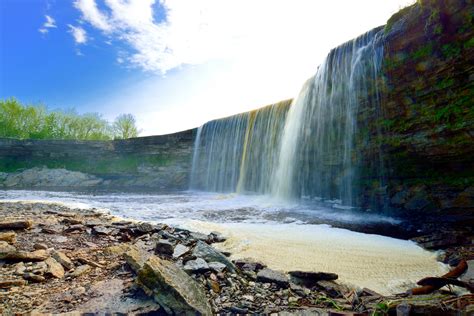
[(426, 119), (155, 163)]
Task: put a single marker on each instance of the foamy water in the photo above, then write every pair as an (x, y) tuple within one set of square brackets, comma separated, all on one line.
[(277, 234), (383, 264)]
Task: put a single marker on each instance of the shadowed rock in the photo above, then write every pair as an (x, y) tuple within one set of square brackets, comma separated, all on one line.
[(16, 224), (272, 276), (164, 247), (310, 279)]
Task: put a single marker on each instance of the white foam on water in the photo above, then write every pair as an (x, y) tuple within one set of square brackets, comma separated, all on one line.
[(383, 264)]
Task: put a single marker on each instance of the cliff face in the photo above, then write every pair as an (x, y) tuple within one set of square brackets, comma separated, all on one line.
[(425, 126), (157, 162)]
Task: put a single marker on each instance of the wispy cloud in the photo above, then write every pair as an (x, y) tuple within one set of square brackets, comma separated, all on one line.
[(91, 14), (78, 33), (48, 24), (196, 31)]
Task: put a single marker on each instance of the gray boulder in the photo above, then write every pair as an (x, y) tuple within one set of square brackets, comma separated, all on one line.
[(195, 266), (180, 250), (208, 253)]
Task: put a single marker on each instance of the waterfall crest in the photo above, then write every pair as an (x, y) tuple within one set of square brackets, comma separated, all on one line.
[(238, 153), (306, 149)]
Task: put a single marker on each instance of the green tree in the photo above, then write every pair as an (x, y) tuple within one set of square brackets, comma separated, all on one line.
[(36, 122), (125, 127)]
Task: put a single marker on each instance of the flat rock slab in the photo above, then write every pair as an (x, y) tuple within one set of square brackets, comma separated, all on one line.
[(10, 283), (172, 288), (136, 257), (217, 266), (37, 255), (102, 230), (16, 224), (272, 276), (180, 250), (198, 265), (208, 253), (108, 299)]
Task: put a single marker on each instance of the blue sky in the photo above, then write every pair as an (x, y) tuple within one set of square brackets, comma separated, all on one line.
[(174, 64)]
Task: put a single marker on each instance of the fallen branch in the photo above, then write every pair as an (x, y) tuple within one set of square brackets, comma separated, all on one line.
[(440, 282), (428, 287)]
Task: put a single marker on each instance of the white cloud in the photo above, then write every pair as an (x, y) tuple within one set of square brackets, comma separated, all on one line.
[(194, 32), (49, 24), (79, 34), (242, 53), (91, 14)]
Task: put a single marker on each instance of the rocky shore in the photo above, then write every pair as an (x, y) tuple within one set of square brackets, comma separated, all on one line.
[(58, 260)]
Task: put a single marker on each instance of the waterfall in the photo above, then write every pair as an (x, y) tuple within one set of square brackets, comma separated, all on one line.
[(311, 148), (238, 153), (317, 156)]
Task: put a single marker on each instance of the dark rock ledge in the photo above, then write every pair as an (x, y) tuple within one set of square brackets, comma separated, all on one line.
[(57, 260)]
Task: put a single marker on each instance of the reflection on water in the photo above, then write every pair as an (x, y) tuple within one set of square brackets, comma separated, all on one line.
[(215, 207)]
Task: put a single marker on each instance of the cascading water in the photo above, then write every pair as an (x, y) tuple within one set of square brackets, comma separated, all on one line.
[(237, 153), (309, 150), (317, 155)]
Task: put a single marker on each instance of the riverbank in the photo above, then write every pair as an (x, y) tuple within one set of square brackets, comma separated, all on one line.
[(76, 260)]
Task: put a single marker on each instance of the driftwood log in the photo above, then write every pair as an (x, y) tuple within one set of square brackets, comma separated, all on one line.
[(430, 285)]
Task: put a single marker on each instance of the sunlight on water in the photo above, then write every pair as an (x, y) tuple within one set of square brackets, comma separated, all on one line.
[(215, 207)]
